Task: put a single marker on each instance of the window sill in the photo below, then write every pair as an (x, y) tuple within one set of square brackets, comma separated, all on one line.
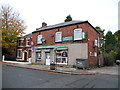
[(77, 40), (39, 43), (58, 41)]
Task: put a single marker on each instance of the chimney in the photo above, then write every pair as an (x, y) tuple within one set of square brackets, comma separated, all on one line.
[(44, 24)]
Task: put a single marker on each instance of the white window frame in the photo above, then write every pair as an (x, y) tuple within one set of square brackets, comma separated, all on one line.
[(78, 35), (18, 53), (95, 42), (95, 54), (58, 37), (20, 43), (39, 37), (61, 57), (27, 42)]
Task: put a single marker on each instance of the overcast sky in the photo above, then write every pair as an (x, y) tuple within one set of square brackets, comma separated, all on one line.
[(103, 13)]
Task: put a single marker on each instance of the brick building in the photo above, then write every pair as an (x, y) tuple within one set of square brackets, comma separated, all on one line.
[(24, 48), (65, 43)]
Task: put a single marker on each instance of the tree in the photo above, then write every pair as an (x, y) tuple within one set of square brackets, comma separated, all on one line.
[(117, 35), (110, 41), (12, 27), (102, 37), (68, 18), (117, 46)]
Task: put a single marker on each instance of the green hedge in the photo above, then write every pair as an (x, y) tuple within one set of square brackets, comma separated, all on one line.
[(109, 60)]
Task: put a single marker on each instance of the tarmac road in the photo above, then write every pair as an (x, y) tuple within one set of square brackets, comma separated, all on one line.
[(14, 77)]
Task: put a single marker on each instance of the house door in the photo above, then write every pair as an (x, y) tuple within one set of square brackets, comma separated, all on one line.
[(47, 54), (25, 56)]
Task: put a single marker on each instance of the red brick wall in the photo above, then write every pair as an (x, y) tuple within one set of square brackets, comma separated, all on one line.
[(66, 31), (92, 35)]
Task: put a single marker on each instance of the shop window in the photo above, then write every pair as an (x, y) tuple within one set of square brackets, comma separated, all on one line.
[(61, 57), (38, 55), (39, 37), (19, 53), (58, 37), (78, 34)]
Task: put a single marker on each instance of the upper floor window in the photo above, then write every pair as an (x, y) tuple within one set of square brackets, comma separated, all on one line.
[(20, 42), (27, 41), (78, 34), (58, 37), (39, 37)]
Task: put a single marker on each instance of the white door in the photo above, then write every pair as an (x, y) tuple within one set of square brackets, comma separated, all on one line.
[(47, 58)]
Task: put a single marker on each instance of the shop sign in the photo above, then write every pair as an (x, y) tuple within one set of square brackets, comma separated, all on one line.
[(51, 46), (67, 38)]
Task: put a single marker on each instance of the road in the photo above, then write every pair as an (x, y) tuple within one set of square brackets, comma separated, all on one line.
[(14, 77)]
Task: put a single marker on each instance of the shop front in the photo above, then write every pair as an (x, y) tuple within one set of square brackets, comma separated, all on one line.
[(60, 54), (46, 54)]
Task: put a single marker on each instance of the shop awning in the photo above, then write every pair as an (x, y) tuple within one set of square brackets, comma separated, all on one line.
[(56, 46)]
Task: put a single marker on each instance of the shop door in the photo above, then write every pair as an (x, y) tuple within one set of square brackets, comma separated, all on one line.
[(47, 58), (25, 56)]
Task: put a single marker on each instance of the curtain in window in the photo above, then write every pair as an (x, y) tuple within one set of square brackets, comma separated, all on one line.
[(39, 37), (78, 34), (58, 36)]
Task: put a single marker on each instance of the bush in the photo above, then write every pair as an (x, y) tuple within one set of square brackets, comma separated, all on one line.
[(114, 54), (109, 60)]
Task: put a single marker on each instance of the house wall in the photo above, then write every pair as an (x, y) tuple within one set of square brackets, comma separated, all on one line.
[(92, 35), (24, 48), (66, 31)]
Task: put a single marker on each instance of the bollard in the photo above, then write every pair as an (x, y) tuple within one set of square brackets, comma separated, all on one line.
[(3, 58)]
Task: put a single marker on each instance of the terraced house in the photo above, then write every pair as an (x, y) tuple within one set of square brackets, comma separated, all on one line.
[(67, 43), (24, 52)]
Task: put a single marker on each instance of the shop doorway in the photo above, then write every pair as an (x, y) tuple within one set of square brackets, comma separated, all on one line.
[(25, 56), (47, 54)]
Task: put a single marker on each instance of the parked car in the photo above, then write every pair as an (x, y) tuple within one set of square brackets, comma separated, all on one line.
[(117, 62)]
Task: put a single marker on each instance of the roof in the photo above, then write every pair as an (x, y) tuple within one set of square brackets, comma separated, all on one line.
[(28, 35), (74, 22)]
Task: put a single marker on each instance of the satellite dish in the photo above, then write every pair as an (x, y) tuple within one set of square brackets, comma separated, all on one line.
[(43, 39)]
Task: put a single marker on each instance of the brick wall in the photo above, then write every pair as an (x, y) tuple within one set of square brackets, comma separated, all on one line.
[(92, 35), (66, 31)]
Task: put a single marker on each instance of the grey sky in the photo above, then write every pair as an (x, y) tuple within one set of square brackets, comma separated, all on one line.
[(103, 13)]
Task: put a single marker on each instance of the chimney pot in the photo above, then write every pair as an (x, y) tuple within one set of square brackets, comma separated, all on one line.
[(44, 24)]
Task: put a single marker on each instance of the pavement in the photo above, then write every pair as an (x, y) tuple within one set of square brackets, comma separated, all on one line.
[(64, 70)]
